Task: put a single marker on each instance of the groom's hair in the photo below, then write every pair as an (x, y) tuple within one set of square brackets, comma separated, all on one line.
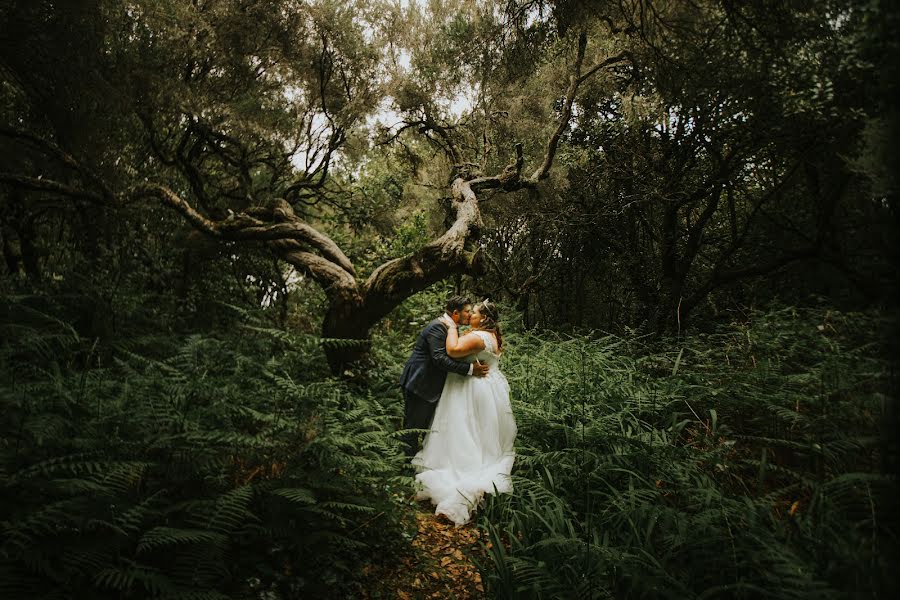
[(456, 303)]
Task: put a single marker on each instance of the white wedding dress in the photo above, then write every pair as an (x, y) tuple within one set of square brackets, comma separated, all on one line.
[(469, 449)]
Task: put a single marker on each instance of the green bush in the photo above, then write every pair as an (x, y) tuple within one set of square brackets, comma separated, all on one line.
[(741, 464), (745, 463), (229, 467)]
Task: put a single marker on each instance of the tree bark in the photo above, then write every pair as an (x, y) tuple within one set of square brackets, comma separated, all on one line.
[(353, 306)]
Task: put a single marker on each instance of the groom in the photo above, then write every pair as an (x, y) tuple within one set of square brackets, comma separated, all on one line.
[(426, 370)]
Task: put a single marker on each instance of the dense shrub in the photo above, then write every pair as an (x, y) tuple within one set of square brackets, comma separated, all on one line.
[(740, 464), (193, 466), (744, 463)]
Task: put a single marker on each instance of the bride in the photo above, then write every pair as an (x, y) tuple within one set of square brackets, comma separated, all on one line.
[(469, 450)]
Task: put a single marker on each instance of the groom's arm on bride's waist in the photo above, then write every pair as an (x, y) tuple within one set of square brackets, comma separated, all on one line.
[(436, 338)]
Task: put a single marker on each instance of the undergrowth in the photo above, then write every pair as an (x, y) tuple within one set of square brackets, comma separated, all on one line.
[(745, 464), (187, 467), (748, 463)]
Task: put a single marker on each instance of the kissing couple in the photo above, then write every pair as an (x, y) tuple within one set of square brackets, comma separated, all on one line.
[(453, 386)]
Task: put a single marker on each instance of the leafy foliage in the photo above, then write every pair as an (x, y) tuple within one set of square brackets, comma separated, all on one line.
[(228, 465), (163, 436), (743, 463), (740, 464)]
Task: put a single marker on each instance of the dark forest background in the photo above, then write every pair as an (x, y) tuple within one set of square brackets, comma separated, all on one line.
[(225, 221)]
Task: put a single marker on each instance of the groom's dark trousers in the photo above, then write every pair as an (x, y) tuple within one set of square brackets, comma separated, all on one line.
[(423, 380)]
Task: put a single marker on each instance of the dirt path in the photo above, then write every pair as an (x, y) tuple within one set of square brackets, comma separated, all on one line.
[(437, 564)]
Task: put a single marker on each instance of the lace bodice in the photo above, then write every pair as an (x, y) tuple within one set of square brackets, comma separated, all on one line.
[(489, 354)]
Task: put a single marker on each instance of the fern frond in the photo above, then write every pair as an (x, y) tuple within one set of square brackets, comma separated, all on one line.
[(296, 495), (170, 536)]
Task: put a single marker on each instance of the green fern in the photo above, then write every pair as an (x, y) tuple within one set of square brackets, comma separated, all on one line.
[(655, 460), (182, 471)]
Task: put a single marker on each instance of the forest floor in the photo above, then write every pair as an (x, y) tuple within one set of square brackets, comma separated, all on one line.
[(437, 563)]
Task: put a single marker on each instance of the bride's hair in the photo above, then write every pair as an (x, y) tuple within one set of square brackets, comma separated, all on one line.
[(490, 320)]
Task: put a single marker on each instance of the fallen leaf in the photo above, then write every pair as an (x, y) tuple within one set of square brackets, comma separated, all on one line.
[(458, 555), (402, 595), (445, 561)]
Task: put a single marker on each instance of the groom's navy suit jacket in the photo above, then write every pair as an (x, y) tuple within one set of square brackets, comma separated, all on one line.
[(427, 368)]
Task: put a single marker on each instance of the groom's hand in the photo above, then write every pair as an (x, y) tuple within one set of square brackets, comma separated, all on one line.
[(479, 369)]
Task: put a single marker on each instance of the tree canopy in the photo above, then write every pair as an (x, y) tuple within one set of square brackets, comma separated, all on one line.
[(611, 163)]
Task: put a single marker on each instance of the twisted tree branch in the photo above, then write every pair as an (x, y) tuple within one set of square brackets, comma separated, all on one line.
[(51, 148), (245, 227), (575, 80), (39, 184)]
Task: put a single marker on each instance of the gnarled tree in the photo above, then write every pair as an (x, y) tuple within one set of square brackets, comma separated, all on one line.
[(232, 115)]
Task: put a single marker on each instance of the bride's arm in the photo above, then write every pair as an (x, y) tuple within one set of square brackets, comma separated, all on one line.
[(457, 347)]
